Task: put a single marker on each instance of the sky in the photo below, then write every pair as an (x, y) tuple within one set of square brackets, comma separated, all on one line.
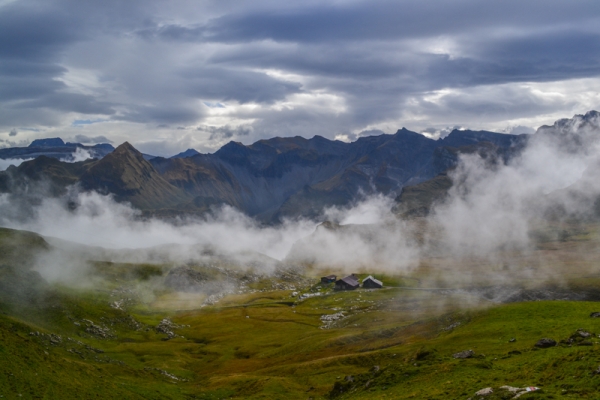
[(178, 74)]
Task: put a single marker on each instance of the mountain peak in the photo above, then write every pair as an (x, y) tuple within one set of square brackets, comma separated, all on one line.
[(47, 142), (126, 146), (588, 122), (126, 174), (185, 154)]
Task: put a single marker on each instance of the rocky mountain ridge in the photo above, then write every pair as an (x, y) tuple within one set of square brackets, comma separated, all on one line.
[(271, 179), (280, 178)]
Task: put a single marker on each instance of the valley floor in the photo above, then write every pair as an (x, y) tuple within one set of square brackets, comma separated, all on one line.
[(267, 342)]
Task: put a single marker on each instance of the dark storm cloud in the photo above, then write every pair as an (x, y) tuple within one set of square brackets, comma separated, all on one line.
[(34, 30), (95, 139), (68, 102), (239, 85), (164, 63), (225, 132), (386, 20), (540, 57), (162, 114), (33, 36)]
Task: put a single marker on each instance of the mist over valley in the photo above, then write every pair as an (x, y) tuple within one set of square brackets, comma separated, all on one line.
[(299, 200), (461, 226)]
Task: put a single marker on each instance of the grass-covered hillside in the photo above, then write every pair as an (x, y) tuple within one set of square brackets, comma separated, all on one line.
[(127, 331)]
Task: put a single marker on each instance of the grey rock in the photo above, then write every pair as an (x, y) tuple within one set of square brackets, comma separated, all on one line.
[(545, 343), (484, 392), (464, 354)]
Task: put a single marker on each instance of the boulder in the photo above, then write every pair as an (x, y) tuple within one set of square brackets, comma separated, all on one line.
[(484, 392), (581, 337), (545, 343), (464, 354)]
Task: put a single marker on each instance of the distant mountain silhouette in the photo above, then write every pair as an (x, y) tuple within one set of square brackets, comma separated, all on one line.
[(185, 154), (54, 148), (271, 179)]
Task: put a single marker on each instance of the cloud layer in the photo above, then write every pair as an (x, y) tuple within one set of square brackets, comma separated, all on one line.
[(171, 75)]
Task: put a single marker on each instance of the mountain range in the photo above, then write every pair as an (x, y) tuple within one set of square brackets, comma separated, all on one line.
[(275, 178), (55, 148)]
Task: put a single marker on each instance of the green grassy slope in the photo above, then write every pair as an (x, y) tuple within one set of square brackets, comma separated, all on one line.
[(60, 342)]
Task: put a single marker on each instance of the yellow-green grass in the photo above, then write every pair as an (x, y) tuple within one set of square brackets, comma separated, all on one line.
[(267, 344)]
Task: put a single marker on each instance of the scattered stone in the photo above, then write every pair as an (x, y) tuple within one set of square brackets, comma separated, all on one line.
[(512, 389), (165, 373), (55, 339), (118, 305), (596, 371), (95, 350), (484, 392), (595, 314), (166, 326), (519, 391), (545, 343), (581, 337), (97, 330), (512, 340), (464, 354), (329, 319), (582, 333), (308, 295), (375, 369), (452, 326), (349, 378)]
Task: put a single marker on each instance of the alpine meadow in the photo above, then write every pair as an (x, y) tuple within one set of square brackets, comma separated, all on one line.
[(326, 200)]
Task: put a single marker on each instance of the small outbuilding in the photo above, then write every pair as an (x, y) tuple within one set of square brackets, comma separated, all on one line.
[(371, 283), (328, 279), (348, 283)]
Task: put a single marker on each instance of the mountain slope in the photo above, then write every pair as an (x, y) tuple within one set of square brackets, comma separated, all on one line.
[(127, 175)]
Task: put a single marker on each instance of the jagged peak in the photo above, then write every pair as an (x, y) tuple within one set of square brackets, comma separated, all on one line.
[(404, 132), (590, 119), (185, 154), (126, 147), (233, 148)]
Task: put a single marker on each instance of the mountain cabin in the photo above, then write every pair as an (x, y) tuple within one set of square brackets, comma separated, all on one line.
[(328, 279), (348, 283), (371, 283)]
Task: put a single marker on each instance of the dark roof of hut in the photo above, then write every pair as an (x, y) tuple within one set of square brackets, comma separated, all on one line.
[(373, 279), (350, 280)]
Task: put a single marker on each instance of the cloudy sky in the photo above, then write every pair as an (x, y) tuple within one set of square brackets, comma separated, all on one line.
[(173, 74)]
